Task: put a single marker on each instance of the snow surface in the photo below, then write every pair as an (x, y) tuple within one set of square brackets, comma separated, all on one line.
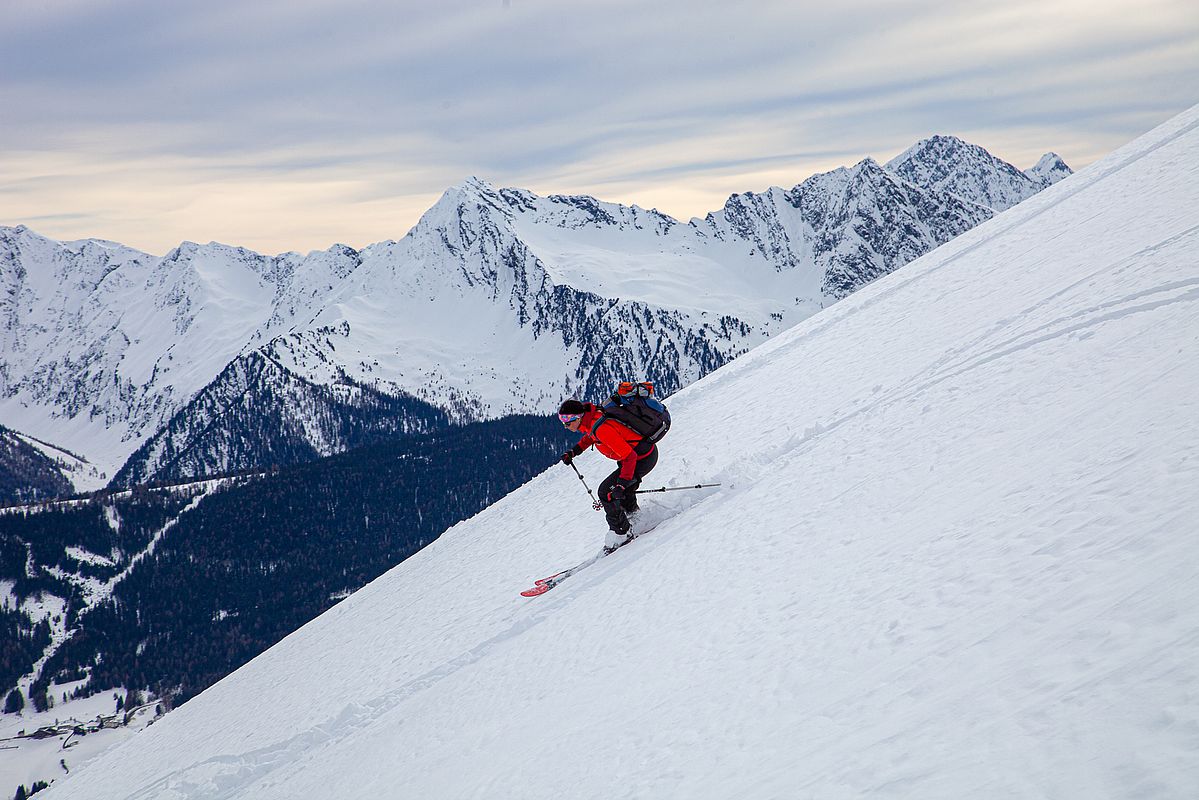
[(675, 270), (954, 555), (23, 761)]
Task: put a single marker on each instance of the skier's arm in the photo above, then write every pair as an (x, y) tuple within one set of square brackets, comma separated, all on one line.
[(576, 451), (628, 467)]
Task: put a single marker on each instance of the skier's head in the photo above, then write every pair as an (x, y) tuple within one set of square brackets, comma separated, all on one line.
[(570, 412)]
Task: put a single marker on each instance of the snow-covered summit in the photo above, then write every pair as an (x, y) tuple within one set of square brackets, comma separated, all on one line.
[(838, 231), (947, 163), (498, 300), (1049, 169), (952, 556)]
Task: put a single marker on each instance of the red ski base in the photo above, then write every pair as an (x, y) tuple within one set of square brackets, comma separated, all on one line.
[(545, 584)]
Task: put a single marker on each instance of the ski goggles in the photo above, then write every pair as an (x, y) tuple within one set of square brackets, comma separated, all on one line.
[(569, 418)]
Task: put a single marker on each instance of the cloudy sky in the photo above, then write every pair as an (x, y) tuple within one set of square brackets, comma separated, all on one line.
[(293, 124)]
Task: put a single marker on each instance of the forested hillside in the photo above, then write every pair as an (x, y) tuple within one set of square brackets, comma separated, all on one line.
[(253, 560), (25, 473)]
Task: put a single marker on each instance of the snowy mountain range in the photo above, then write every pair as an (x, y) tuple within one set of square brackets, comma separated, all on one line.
[(497, 301), (952, 555)]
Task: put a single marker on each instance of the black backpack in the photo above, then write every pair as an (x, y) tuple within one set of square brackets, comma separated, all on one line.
[(634, 406)]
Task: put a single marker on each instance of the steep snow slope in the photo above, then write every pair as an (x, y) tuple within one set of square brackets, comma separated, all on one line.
[(954, 556)]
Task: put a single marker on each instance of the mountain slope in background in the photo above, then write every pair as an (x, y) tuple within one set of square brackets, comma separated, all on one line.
[(157, 594), (498, 301), (258, 413), (954, 560), (315, 533), (27, 474)]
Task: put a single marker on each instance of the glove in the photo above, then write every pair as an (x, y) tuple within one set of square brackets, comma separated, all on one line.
[(616, 493), (568, 456)]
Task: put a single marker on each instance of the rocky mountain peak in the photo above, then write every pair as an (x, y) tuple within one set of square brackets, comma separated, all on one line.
[(947, 163), (1049, 169), (494, 291)]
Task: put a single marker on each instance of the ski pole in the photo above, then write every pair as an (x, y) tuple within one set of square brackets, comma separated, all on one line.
[(594, 503), (678, 488)]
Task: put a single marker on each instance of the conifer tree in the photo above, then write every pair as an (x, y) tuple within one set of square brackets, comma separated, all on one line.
[(15, 702)]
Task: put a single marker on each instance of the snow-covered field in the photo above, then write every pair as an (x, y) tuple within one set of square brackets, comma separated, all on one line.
[(954, 556), (24, 760)]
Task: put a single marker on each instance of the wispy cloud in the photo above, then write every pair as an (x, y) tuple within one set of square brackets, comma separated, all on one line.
[(292, 124)]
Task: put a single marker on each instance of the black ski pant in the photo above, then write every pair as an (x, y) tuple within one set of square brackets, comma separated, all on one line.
[(618, 513)]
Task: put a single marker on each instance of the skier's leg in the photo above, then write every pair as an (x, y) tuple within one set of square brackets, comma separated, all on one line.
[(618, 520), (643, 468)]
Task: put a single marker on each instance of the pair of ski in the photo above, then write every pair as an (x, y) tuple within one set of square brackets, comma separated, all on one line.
[(545, 584)]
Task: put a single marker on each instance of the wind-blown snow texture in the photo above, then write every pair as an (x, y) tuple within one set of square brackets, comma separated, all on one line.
[(954, 556), (497, 301)]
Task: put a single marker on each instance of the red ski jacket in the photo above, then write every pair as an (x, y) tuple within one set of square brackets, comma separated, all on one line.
[(614, 440)]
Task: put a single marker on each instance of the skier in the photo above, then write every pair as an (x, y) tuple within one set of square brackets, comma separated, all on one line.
[(637, 456)]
